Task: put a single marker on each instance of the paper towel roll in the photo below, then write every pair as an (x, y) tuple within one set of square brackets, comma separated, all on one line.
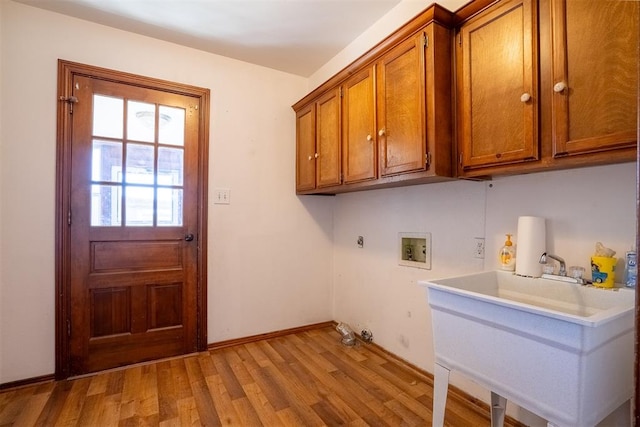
[(531, 241)]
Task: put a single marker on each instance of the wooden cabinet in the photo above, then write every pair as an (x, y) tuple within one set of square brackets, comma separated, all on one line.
[(394, 113), (401, 108), (595, 75), (318, 143), (414, 105), (497, 98), (546, 84), (306, 148), (328, 129), (359, 127)]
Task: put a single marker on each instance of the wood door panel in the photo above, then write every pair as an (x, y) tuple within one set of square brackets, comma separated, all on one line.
[(595, 55), (141, 278), (110, 313), (164, 306), (112, 308), (132, 258), (359, 136), (498, 63), (306, 149), (135, 255), (401, 109), (123, 349), (328, 139)]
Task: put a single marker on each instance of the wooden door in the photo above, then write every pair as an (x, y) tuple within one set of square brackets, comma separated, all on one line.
[(328, 139), (359, 127), (595, 75), (498, 101), (400, 102), (135, 234), (306, 148)]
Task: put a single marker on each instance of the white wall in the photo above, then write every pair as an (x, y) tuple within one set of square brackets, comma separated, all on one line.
[(269, 260), (371, 290), (394, 19), (582, 206), (272, 256)]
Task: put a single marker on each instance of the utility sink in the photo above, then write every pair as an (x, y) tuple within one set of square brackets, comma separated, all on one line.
[(563, 351)]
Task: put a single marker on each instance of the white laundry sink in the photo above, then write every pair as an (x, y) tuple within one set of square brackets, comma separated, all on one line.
[(561, 350)]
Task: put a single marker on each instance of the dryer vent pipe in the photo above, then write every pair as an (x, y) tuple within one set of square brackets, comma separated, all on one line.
[(348, 337)]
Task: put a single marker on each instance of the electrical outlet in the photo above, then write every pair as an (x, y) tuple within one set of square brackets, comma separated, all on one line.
[(479, 248)]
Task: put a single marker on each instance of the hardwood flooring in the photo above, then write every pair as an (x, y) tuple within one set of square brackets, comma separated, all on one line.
[(303, 379)]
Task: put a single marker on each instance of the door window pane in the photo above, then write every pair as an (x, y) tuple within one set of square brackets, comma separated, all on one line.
[(107, 116), (169, 207), (170, 166), (140, 164), (171, 130), (139, 206), (106, 161), (106, 210), (137, 175), (141, 121)]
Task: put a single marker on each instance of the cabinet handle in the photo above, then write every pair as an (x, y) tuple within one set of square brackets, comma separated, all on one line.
[(525, 97), (369, 138), (381, 132), (559, 87)]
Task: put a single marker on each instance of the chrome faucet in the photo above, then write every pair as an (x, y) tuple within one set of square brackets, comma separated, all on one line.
[(563, 267)]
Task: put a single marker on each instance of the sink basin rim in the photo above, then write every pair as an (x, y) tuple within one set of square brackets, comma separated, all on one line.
[(598, 317)]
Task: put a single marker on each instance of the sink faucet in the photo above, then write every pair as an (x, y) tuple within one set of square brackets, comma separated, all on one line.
[(563, 267)]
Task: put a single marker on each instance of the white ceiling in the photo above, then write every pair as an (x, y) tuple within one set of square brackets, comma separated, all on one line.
[(295, 36)]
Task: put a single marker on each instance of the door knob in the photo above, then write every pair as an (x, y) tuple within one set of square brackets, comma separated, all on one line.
[(188, 237)]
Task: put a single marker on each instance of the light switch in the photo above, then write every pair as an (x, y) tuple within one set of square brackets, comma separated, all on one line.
[(222, 196)]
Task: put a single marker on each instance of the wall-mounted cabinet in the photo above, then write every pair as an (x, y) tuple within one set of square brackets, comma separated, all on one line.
[(546, 84), (306, 148), (395, 118), (497, 85), (594, 46), (328, 139), (539, 85), (359, 127)]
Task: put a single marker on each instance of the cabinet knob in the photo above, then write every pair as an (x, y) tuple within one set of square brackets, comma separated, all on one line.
[(310, 157), (559, 87), (381, 132), (369, 138), (316, 155), (525, 97)]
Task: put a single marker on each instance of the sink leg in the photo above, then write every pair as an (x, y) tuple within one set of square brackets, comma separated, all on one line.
[(498, 408), (440, 388)]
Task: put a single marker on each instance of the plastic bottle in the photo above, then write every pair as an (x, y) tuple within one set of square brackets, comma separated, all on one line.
[(631, 268), (507, 255)]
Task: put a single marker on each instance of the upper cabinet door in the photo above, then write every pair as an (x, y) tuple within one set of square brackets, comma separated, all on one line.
[(401, 108), (306, 148), (595, 75), (359, 127), (328, 139), (497, 86)]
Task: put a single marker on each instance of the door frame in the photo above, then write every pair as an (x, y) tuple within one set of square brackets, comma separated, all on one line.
[(66, 72)]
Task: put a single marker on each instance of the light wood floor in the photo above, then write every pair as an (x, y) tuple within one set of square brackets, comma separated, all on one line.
[(303, 379)]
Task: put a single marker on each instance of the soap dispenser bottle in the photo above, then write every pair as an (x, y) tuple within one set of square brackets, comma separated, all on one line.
[(507, 255)]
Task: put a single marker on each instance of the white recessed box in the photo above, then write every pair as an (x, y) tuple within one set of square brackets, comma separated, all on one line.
[(414, 250)]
